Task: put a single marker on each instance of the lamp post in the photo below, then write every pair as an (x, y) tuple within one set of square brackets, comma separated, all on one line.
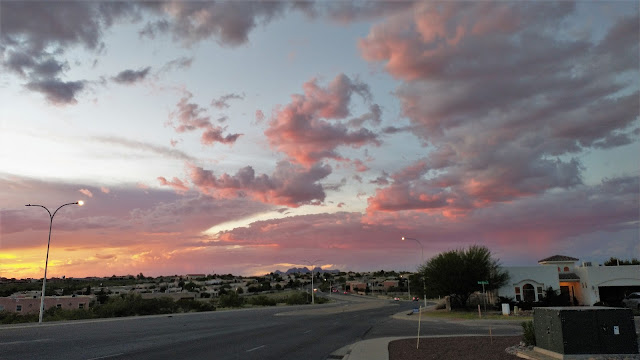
[(312, 264), (46, 262), (424, 284)]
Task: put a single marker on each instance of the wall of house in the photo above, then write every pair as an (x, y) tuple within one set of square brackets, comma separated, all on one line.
[(537, 276), (592, 277), (31, 305)]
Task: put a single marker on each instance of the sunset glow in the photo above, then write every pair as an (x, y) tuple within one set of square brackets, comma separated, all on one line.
[(242, 137)]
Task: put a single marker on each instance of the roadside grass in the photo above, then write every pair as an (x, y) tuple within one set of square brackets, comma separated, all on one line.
[(473, 315)]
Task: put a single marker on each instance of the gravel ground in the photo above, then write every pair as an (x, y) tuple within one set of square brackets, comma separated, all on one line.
[(460, 348)]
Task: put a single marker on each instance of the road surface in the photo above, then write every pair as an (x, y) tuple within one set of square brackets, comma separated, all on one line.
[(296, 332)]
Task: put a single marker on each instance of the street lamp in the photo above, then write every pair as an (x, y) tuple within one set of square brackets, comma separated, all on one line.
[(46, 262), (312, 264), (424, 284)]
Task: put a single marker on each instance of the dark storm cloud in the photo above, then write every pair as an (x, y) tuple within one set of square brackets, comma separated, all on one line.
[(131, 76), (56, 91)]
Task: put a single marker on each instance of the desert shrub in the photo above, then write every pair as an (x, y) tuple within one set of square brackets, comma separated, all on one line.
[(188, 305), (7, 317), (261, 300), (231, 299), (298, 298), (529, 335), (55, 314)]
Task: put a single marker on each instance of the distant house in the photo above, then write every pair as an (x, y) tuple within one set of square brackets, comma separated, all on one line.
[(356, 286), (581, 285), (387, 284), (195, 276), (31, 304)]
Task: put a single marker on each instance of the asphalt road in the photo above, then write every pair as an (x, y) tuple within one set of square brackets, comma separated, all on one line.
[(299, 332)]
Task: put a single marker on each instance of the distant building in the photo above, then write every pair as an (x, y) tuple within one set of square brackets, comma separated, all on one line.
[(581, 285), (195, 276), (31, 305), (387, 284), (356, 286)]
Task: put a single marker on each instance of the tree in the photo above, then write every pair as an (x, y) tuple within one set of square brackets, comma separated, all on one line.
[(456, 273), (231, 300), (615, 262), (190, 286)]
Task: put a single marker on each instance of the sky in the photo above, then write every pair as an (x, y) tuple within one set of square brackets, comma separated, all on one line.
[(244, 137)]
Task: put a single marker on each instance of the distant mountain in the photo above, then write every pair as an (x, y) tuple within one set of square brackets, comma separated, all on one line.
[(305, 270)]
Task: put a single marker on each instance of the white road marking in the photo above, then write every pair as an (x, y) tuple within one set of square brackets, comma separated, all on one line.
[(306, 332), (254, 349), (106, 356), (24, 341)]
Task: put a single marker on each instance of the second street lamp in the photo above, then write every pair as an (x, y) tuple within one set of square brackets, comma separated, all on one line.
[(424, 284), (46, 262), (312, 264)]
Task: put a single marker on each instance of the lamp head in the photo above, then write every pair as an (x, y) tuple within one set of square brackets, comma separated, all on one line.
[(80, 202), (403, 238)]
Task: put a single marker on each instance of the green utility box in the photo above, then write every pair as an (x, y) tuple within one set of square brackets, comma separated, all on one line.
[(585, 330)]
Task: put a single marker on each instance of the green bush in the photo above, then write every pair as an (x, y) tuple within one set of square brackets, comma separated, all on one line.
[(55, 314), (7, 317), (298, 298), (231, 299), (529, 336), (261, 300), (189, 305)]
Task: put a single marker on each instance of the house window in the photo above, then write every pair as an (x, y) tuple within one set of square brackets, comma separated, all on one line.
[(18, 308), (81, 306), (518, 298), (558, 268), (566, 269), (59, 306), (539, 291), (1, 307)]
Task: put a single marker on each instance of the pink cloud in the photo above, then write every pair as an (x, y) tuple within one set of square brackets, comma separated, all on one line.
[(178, 185), (190, 118), (290, 184), (105, 190), (159, 232), (223, 101), (360, 166), (502, 127), (86, 192), (308, 129), (259, 116)]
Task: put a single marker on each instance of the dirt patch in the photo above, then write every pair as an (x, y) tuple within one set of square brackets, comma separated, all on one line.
[(460, 348)]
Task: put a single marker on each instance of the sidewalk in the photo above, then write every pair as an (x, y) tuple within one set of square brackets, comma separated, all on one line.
[(378, 349)]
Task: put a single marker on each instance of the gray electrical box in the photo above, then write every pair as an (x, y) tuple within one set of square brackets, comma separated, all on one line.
[(585, 330)]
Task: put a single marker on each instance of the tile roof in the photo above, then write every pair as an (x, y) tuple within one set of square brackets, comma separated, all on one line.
[(558, 258), (568, 276)]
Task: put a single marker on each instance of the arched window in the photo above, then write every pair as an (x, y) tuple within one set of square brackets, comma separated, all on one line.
[(528, 293), (566, 269)]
